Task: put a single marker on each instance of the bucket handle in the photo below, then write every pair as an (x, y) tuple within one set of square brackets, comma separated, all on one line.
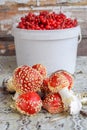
[(79, 38)]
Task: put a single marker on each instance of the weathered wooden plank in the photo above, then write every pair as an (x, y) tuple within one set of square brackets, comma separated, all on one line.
[(7, 48), (44, 2), (82, 47)]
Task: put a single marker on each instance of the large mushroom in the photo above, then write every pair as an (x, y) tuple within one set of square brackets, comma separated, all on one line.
[(62, 82), (28, 103), (25, 79)]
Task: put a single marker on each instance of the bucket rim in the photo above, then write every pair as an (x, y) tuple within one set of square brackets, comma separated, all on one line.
[(58, 34)]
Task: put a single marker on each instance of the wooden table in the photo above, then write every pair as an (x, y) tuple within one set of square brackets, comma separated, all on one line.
[(12, 120)]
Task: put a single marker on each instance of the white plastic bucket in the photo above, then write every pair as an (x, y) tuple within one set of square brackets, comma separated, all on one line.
[(56, 49)]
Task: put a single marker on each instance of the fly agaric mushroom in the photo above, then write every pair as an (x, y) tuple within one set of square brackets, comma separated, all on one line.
[(61, 82), (53, 103), (25, 79), (44, 87), (28, 103), (41, 68)]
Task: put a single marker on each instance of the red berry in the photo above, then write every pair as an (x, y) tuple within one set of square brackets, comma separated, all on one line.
[(46, 20)]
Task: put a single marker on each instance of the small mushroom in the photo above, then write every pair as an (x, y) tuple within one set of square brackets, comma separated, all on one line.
[(41, 68), (44, 87), (53, 103), (25, 79), (62, 82), (28, 103), (59, 80)]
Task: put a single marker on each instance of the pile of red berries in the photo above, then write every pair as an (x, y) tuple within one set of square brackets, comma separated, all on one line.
[(46, 20)]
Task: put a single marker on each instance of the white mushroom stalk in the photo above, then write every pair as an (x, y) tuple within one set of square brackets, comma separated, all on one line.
[(84, 101), (83, 97), (16, 95), (10, 85), (71, 101), (62, 82)]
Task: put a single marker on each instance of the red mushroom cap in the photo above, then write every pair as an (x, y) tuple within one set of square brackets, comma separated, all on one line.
[(69, 77), (59, 80), (41, 68), (53, 103), (29, 103), (44, 87), (26, 79)]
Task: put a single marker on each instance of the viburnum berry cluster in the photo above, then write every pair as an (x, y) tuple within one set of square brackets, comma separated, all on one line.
[(46, 20), (36, 90)]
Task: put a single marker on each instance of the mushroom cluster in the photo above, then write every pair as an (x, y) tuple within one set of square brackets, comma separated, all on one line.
[(35, 90)]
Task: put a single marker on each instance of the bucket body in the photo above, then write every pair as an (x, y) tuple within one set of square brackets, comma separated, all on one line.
[(55, 49)]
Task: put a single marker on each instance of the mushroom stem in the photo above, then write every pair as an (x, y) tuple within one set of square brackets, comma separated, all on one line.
[(10, 86), (71, 101), (15, 96), (84, 101), (83, 97)]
